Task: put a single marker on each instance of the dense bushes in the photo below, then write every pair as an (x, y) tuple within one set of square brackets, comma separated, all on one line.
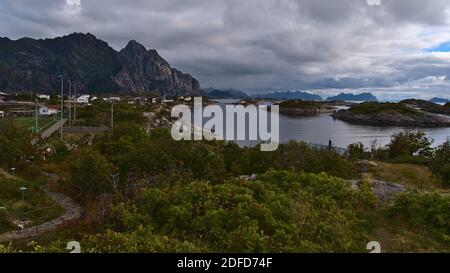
[(15, 144), (357, 151), (280, 211), (132, 154), (425, 211), (90, 173), (409, 143), (440, 165)]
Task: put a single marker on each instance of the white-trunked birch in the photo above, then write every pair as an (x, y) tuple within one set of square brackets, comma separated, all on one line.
[(232, 128)]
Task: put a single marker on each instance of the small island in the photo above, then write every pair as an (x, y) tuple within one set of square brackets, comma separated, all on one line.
[(305, 108), (353, 97), (428, 106), (440, 100), (290, 95), (391, 114)]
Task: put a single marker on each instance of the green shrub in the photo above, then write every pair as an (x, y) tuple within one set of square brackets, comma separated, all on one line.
[(408, 144), (424, 211), (358, 151), (440, 165), (280, 211)]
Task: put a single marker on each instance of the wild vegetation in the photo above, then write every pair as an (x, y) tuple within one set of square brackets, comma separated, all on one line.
[(35, 207), (143, 192)]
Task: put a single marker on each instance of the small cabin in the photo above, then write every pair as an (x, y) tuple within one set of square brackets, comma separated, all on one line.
[(48, 110), (84, 99)]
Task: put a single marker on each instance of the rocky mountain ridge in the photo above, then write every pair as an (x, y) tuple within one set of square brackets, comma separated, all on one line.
[(34, 65)]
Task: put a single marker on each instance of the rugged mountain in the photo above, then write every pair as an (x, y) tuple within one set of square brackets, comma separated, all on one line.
[(225, 94), (439, 100), (290, 95), (353, 97), (34, 65)]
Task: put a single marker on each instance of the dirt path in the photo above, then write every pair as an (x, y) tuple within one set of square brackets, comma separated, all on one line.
[(73, 212), (50, 131)]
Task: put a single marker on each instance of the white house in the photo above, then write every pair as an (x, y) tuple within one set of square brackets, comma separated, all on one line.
[(43, 97), (187, 98), (114, 99), (167, 100), (2, 96), (154, 100), (2, 114), (47, 111), (83, 99)]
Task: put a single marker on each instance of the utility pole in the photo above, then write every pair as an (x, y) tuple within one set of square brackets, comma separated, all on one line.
[(62, 107), (36, 124), (75, 104), (70, 103), (112, 115)]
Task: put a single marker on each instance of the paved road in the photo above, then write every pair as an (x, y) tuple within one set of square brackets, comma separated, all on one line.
[(55, 127), (50, 131)]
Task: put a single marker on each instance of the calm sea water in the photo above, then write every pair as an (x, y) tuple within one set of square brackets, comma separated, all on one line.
[(322, 128)]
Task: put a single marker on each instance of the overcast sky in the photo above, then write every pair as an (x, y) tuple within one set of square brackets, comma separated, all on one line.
[(394, 48)]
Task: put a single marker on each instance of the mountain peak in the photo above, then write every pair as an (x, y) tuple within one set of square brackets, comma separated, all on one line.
[(354, 97), (134, 45), (80, 36), (96, 67)]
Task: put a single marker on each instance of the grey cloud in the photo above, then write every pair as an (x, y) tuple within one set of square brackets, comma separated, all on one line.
[(261, 44)]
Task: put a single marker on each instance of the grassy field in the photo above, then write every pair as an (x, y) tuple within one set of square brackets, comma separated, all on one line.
[(43, 123), (410, 175), (36, 208)]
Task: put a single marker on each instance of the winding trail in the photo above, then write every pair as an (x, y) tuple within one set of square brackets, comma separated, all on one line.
[(73, 212)]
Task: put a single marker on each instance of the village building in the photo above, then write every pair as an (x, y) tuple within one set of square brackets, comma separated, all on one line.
[(83, 99), (48, 110), (2, 114), (43, 97), (114, 99)]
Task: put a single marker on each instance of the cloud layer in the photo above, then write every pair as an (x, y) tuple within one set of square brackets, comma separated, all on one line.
[(323, 46)]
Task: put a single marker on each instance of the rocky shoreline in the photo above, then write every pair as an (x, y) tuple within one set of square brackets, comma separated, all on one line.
[(305, 108), (306, 112), (421, 119)]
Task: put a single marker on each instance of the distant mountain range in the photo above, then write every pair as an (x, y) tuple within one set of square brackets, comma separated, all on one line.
[(286, 95), (353, 97), (34, 65), (439, 100), (225, 94), (289, 95)]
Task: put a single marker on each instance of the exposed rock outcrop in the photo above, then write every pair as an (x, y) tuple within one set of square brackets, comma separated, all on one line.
[(425, 120), (391, 114), (34, 65)]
